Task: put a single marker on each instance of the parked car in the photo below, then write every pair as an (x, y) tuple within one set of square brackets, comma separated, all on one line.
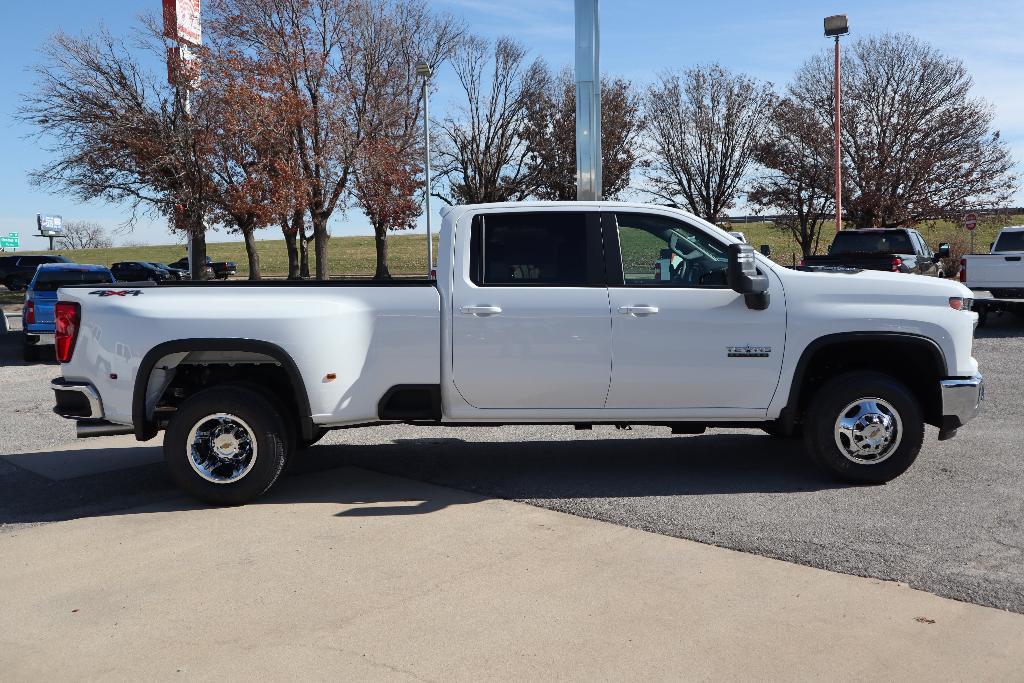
[(219, 270), (898, 250), (1001, 271), (176, 273), (41, 296), (17, 271), (139, 271), (531, 304)]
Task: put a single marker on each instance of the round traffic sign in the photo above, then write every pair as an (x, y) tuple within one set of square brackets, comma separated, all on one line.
[(970, 221)]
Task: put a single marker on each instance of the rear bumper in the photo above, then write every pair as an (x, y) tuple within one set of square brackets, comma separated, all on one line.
[(38, 338), (76, 400), (962, 399)]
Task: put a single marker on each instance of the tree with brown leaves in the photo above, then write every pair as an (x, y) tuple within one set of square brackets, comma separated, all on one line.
[(120, 135), (704, 125), (551, 136), (916, 144), (796, 155)]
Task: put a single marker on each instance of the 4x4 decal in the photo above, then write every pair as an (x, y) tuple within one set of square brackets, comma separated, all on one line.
[(117, 292)]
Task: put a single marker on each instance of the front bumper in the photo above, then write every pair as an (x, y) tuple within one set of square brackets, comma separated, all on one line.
[(961, 402)]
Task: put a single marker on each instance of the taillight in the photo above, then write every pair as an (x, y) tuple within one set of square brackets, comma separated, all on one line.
[(896, 263), (67, 317), (30, 312), (803, 262), (963, 270)]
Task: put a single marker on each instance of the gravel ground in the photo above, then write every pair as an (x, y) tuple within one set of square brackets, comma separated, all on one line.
[(953, 525)]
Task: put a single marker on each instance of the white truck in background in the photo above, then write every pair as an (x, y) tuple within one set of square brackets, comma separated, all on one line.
[(999, 272), (568, 313)]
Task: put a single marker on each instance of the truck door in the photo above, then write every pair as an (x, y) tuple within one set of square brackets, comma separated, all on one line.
[(681, 339), (531, 323)]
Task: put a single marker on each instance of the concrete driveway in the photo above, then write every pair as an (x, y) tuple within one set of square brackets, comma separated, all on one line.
[(347, 574)]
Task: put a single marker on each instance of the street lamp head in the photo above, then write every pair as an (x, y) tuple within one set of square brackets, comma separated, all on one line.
[(423, 69), (837, 25)]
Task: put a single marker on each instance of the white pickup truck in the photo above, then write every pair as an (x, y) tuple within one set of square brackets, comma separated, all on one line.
[(571, 313), (1001, 271)]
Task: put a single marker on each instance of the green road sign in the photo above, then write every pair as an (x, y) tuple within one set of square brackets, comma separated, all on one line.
[(12, 241)]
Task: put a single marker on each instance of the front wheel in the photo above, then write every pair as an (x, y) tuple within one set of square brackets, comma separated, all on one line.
[(15, 283), (226, 445), (864, 427)]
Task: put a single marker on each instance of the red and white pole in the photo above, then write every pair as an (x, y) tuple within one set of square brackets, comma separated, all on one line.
[(838, 120)]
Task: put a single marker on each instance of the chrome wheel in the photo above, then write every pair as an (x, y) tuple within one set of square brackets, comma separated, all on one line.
[(868, 431), (221, 448)]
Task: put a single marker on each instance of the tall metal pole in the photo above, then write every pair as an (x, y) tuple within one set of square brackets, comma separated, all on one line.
[(423, 69), (839, 140), (588, 101)]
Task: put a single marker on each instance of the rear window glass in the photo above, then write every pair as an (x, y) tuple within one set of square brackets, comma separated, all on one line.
[(51, 281), (896, 242), (1010, 241)]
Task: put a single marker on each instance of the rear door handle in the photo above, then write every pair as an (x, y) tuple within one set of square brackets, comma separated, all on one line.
[(638, 311), (481, 310)]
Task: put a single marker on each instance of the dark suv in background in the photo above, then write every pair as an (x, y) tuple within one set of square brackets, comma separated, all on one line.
[(17, 271), (139, 271)]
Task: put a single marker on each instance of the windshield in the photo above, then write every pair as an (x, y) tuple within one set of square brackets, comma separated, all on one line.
[(895, 242), (1010, 241), (52, 280)]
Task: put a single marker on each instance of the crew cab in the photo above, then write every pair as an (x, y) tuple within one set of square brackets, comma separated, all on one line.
[(898, 250), (1001, 271), (571, 312), (218, 270)]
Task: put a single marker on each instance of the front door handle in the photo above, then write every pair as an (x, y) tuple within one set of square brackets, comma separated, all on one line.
[(481, 310), (638, 311)]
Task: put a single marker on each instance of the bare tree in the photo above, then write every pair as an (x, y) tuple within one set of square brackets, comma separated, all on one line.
[(551, 135), (704, 125), (798, 182), (117, 133), (916, 144), (85, 235), (394, 38), (482, 153)]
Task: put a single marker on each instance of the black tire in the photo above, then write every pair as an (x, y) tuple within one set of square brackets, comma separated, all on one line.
[(828, 405), (266, 429), (30, 352), (15, 283)]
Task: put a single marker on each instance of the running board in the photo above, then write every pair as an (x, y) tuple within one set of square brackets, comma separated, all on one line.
[(87, 430)]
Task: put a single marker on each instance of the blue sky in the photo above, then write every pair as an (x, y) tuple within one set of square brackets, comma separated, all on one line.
[(768, 40)]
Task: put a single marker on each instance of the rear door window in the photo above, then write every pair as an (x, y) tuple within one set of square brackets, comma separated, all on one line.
[(553, 249), (1010, 241)]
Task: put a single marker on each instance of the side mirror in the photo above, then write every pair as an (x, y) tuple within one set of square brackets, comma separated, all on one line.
[(943, 251), (766, 250), (743, 278)]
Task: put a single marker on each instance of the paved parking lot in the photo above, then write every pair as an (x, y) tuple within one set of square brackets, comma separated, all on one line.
[(953, 525)]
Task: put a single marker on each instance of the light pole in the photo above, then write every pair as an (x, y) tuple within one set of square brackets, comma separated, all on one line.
[(837, 26), (423, 70)]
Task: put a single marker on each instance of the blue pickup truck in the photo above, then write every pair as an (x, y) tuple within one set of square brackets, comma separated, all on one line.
[(41, 297)]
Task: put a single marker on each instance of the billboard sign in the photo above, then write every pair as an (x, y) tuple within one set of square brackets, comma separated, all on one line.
[(50, 226), (182, 21)]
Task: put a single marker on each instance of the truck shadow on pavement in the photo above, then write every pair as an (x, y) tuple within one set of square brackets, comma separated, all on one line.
[(525, 470), (11, 352)]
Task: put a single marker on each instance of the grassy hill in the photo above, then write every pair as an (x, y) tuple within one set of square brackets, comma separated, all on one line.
[(356, 255)]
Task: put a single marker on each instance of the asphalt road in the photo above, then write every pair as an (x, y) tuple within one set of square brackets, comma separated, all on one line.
[(953, 525)]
